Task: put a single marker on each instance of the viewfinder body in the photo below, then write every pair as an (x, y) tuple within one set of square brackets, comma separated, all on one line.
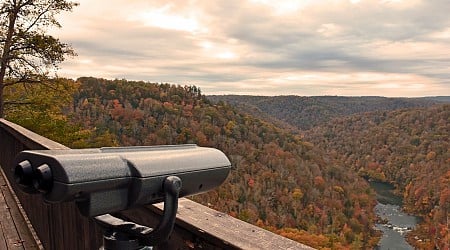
[(106, 180)]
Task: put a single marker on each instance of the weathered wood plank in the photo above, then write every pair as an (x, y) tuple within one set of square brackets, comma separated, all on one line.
[(9, 230), (24, 228), (209, 225), (2, 238), (3, 232), (230, 230)]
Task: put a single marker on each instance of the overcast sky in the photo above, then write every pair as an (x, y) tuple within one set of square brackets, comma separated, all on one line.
[(263, 47)]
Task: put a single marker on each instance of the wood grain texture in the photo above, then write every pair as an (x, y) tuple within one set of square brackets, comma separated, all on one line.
[(211, 229), (10, 231)]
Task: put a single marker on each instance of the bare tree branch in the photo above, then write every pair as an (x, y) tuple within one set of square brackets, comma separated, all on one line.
[(39, 17)]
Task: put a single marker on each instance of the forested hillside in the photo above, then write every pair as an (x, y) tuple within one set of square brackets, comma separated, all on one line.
[(308, 189), (409, 148), (278, 180), (306, 112)]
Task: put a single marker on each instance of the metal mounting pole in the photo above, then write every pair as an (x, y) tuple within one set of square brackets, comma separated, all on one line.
[(119, 234)]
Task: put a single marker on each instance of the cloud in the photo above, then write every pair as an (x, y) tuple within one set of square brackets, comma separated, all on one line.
[(365, 47)]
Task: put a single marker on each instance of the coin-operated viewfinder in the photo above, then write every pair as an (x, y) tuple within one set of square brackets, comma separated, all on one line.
[(107, 180)]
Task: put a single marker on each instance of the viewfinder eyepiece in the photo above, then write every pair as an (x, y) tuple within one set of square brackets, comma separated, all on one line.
[(43, 180), (23, 173)]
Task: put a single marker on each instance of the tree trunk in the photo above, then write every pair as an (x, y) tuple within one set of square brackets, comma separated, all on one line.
[(5, 57), (1, 101)]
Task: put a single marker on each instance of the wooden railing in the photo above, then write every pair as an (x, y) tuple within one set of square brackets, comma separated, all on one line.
[(61, 226)]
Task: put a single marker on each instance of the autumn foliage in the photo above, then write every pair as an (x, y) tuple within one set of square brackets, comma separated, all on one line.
[(408, 148), (278, 180), (305, 186)]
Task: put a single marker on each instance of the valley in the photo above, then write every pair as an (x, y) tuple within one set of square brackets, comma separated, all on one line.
[(401, 141), (307, 185)]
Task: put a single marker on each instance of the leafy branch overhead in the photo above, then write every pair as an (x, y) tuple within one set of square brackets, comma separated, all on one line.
[(28, 54)]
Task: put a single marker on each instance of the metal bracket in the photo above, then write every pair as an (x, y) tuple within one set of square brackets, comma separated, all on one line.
[(120, 234)]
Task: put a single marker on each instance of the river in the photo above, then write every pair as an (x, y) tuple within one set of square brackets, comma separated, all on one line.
[(397, 222)]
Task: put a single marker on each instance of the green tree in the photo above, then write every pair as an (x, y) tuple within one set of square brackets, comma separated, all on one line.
[(43, 109), (28, 54)]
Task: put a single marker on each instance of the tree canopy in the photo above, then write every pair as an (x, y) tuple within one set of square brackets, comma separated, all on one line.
[(28, 54), (278, 180), (408, 148)]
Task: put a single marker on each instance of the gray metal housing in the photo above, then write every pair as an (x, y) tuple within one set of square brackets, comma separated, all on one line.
[(106, 180)]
